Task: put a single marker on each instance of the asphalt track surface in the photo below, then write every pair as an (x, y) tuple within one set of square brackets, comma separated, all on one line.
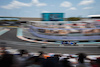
[(10, 36)]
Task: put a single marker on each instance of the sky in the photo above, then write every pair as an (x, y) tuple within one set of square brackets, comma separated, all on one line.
[(34, 8)]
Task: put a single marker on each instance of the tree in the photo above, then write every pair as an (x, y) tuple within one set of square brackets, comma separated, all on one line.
[(74, 19)]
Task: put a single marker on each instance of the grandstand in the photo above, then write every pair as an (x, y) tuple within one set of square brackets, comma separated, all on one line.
[(66, 31)]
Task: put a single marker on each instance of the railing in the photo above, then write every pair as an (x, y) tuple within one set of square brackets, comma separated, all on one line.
[(66, 37), (63, 28)]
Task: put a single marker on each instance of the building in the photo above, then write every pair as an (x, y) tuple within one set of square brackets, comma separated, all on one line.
[(52, 16), (94, 16)]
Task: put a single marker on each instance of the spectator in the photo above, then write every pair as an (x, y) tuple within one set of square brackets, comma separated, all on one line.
[(95, 63), (6, 60), (36, 62), (81, 59), (41, 54), (52, 61), (66, 63), (2, 47), (23, 57)]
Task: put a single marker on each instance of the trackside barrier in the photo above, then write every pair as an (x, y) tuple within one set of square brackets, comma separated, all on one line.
[(20, 36), (4, 31)]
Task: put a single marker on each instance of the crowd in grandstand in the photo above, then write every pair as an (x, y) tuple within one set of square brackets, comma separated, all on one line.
[(41, 59)]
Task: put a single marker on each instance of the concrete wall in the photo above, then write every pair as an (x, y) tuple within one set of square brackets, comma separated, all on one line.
[(30, 19), (34, 19)]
